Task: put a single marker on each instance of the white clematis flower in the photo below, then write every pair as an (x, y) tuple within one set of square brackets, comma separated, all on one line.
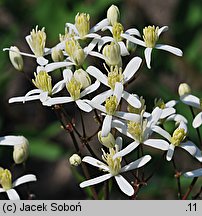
[(114, 76), (74, 88), (150, 36), (110, 109), (177, 140), (140, 131), (114, 169), (7, 185)]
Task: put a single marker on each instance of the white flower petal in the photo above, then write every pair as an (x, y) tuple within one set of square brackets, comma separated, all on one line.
[(95, 180), (100, 25), (170, 152), (171, 103), (147, 54), (106, 126), (133, 40), (177, 118), (83, 105), (90, 89), (192, 149), (21, 53), (133, 31), (118, 90), (157, 143), (131, 68), (97, 54), (43, 97), (124, 50), (92, 35), (72, 28), (107, 28), (41, 61), (11, 140), (58, 87), (23, 99), (24, 179), (121, 127), (56, 65), (90, 46), (162, 29), (100, 98), (162, 132), (2, 190), (191, 100), (58, 100), (129, 148), (128, 116), (95, 162), (103, 41), (95, 72), (170, 49), (194, 173), (119, 142), (183, 126), (197, 120), (131, 99), (12, 194), (167, 112), (136, 164), (124, 185)]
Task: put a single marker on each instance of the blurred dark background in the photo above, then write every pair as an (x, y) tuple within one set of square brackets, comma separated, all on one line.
[(50, 146)]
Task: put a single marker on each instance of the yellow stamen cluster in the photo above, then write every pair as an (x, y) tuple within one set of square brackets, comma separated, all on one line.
[(115, 75), (5, 179), (135, 129), (74, 88), (43, 81), (113, 164), (159, 103), (178, 136), (38, 41), (111, 105), (150, 36), (74, 50), (117, 30), (66, 36), (82, 23)]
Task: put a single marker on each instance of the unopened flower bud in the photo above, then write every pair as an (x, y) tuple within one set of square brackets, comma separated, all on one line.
[(112, 54), (113, 14), (57, 55), (107, 141), (82, 23), (5, 179), (21, 151), (82, 76), (75, 160), (184, 89), (16, 58)]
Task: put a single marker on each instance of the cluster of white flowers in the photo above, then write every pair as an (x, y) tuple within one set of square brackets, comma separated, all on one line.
[(78, 81)]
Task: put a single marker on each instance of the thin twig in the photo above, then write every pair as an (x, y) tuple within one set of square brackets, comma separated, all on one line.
[(190, 188)]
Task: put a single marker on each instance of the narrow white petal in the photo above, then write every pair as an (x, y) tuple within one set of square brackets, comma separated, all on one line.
[(67, 74), (23, 99), (191, 100), (183, 126), (118, 90), (21, 53), (90, 46), (100, 25), (194, 173), (103, 41), (98, 106), (11, 140), (106, 126), (2, 190), (128, 116), (134, 40), (71, 28), (119, 142), (34, 91), (12, 194), (162, 132), (41, 61), (90, 89), (100, 98), (157, 143), (108, 27), (197, 120), (28, 39), (177, 118), (170, 49), (58, 100), (171, 103), (124, 185), (133, 31), (155, 116), (124, 50), (97, 54), (93, 35), (131, 68), (126, 150), (43, 97), (131, 99), (95, 180), (58, 87), (83, 105), (170, 152), (24, 179), (95, 162), (95, 72), (147, 54), (136, 164), (167, 112), (56, 65), (162, 29)]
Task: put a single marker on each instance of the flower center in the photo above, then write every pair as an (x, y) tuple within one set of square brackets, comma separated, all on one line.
[(5, 179), (82, 23), (74, 88), (159, 103), (37, 41), (117, 30), (113, 164), (150, 36), (135, 129), (178, 136), (115, 75), (111, 105), (43, 81)]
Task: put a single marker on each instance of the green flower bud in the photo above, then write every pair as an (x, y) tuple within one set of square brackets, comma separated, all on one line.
[(82, 76), (16, 58), (57, 55), (107, 141), (184, 89), (75, 160), (113, 14), (5, 179), (82, 23)]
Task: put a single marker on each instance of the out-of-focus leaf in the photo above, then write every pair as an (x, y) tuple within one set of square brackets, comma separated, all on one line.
[(52, 130), (194, 16)]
